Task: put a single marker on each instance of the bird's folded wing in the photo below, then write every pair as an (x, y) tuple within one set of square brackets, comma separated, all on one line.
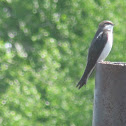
[(97, 47)]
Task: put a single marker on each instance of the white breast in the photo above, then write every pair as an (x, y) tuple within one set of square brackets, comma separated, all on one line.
[(107, 47)]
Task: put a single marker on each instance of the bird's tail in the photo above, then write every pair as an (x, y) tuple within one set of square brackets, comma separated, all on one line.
[(82, 82), (85, 76)]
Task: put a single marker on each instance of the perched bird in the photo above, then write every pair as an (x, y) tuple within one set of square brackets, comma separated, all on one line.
[(99, 49)]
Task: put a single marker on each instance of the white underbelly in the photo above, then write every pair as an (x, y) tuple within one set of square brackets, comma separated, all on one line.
[(107, 48)]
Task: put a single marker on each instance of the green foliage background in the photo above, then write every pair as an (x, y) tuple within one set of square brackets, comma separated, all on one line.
[(43, 50)]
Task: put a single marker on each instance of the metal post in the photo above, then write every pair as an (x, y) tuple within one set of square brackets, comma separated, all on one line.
[(110, 94)]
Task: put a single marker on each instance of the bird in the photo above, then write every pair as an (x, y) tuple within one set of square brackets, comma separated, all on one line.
[(99, 49)]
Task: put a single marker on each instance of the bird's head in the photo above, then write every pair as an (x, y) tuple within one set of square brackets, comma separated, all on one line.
[(106, 25)]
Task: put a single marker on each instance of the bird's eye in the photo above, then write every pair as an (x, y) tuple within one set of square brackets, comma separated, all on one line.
[(106, 23)]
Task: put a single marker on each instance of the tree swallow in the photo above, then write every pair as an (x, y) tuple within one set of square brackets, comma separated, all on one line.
[(99, 49)]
